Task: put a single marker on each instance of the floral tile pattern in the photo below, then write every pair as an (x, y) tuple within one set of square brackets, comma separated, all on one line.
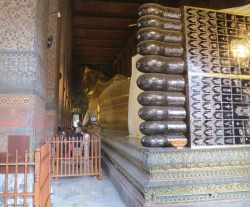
[(17, 23)]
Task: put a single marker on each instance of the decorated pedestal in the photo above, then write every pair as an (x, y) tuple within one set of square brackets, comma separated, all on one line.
[(149, 176)]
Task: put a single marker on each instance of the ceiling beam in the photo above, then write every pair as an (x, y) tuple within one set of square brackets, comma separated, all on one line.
[(102, 54), (104, 28), (133, 2), (94, 63), (99, 57), (101, 38), (106, 16), (96, 57), (93, 59), (93, 56), (97, 51), (88, 41), (97, 47)]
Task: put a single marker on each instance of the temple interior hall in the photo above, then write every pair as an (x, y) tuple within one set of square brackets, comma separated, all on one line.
[(114, 103)]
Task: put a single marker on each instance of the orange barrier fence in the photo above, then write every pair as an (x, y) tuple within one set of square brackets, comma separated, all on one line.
[(26, 183), (76, 157)]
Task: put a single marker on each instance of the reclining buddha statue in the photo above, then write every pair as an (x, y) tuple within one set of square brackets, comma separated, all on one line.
[(108, 100), (119, 104), (151, 104)]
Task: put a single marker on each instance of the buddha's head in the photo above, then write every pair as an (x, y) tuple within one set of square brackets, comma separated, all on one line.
[(90, 78)]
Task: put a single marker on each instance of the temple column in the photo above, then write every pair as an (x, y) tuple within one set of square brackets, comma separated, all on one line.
[(52, 71), (23, 38), (65, 65)]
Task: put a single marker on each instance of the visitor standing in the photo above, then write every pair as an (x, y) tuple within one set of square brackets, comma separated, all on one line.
[(78, 138), (86, 140), (79, 124)]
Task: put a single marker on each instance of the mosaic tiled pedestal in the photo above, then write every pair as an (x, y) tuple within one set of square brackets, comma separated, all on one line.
[(171, 177)]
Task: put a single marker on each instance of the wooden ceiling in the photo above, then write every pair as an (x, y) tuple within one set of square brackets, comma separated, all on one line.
[(101, 28)]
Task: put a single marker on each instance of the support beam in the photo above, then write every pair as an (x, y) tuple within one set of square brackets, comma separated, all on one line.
[(104, 28)]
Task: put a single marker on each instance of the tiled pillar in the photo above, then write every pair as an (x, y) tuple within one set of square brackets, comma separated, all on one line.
[(52, 70), (23, 46)]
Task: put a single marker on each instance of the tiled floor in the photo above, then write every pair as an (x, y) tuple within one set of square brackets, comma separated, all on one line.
[(85, 191)]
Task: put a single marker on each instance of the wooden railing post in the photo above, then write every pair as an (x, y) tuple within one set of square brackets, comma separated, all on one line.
[(16, 177), (50, 170), (42, 186), (25, 176), (6, 179), (37, 177), (65, 162), (99, 158), (56, 141)]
